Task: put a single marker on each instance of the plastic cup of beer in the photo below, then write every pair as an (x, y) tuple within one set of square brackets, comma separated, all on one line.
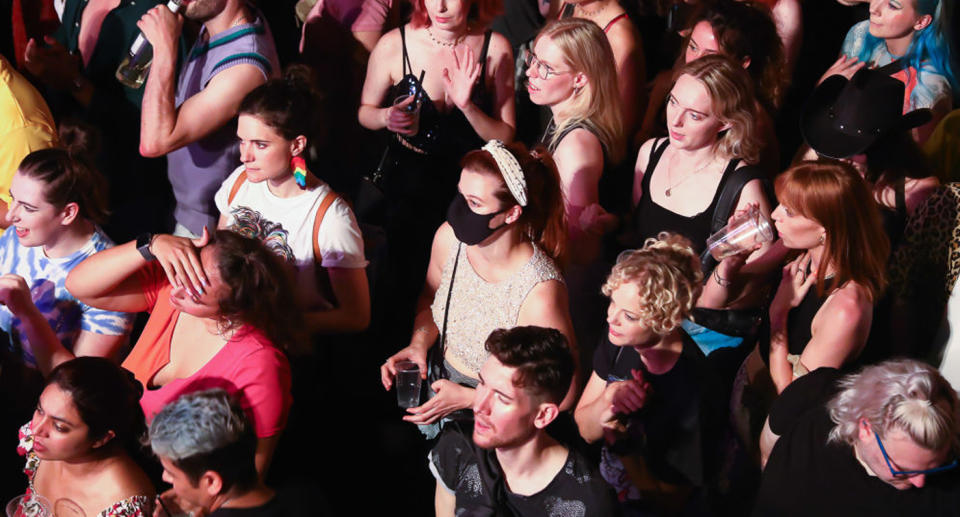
[(413, 109), (408, 384), (741, 234), (31, 505)]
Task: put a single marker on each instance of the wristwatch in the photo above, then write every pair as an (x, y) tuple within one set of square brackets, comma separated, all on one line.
[(143, 245)]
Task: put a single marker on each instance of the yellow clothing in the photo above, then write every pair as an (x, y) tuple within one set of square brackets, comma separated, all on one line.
[(26, 124), (943, 148)]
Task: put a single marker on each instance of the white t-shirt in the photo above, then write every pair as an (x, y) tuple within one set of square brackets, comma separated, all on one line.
[(285, 225)]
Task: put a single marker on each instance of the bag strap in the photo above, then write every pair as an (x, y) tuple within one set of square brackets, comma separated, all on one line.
[(446, 307), (892, 67), (236, 186), (321, 212), (728, 201)]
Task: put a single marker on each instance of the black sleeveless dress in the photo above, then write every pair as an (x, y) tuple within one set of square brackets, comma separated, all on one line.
[(649, 218), (420, 180)]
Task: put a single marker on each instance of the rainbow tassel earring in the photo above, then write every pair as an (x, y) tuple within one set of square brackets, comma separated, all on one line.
[(299, 171)]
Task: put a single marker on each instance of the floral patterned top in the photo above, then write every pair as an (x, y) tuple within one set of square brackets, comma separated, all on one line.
[(134, 506)]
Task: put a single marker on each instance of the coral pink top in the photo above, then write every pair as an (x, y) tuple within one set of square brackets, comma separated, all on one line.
[(248, 366)]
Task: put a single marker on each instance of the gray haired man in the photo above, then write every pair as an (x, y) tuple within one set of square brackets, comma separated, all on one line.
[(207, 447)]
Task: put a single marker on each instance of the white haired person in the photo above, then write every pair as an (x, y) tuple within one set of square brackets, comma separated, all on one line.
[(207, 448), (492, 266), (885, 443)]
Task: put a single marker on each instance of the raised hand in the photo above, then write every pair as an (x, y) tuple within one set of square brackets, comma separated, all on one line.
[(53, 65), (845, 66), (458, 83), (15, 294), (794, 284), (180, 259)]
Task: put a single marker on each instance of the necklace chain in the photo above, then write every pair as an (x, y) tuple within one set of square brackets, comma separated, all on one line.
[(667, 191), (599, 10), (447, 44)]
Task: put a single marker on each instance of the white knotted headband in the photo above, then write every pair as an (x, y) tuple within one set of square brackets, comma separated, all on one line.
[(510, 169)]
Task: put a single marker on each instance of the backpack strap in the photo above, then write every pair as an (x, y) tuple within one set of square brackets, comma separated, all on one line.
[(728, 201), (321, 212), (236, 186)]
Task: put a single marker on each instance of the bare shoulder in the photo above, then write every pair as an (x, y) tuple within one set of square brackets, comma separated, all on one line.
[(444, 240), (388, 44), (125, 479), (499, 46), (546, 294), (580, 141), (643, 156), (623, 36), (848, 303)]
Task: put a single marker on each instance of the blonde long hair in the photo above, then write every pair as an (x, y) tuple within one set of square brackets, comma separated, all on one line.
[(597, 105)]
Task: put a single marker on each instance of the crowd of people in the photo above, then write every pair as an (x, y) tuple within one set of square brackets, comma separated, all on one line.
[(202, 271)]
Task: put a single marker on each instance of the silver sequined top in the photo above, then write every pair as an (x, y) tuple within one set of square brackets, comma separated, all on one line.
[(478, 307)]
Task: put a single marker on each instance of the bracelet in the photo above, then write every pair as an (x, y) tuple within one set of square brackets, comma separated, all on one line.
[(722, 282)]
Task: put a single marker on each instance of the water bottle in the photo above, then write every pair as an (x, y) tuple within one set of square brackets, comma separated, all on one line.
[(133, 70)]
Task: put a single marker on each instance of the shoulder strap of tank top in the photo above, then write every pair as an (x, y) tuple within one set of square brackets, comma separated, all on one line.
[(566, 11), (407, 67), (900, 194), (656, 151), (614, 20), (487, 36), (729, 194)]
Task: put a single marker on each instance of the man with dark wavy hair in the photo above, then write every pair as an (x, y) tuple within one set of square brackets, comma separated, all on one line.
[(511, 466)]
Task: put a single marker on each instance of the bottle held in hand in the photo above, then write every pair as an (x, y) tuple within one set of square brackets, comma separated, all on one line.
[(133, 70)]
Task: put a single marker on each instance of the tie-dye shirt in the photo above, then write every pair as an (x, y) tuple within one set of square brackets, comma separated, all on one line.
[(924, 89), (46, 277)]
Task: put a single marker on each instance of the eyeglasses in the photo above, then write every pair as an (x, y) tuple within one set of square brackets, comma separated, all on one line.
[(543, 70), (899, 473)]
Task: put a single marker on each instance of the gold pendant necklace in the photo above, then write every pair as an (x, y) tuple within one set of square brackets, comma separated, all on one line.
[(668, 191)]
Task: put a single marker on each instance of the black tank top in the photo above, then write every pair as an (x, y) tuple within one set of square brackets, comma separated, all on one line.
[(649, 218), (442, 133), (800, 318)]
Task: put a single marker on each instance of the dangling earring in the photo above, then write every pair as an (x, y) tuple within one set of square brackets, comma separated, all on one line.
[(299, 167)]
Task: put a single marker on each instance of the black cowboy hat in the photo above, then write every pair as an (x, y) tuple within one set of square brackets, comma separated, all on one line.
[(843, 118)]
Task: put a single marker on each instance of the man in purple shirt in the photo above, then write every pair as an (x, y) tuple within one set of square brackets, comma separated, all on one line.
[(191, 118)]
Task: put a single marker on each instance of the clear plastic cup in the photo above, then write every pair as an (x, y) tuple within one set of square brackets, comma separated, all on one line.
[(32, 505), (742, 233), (408, 384), (414, 109)]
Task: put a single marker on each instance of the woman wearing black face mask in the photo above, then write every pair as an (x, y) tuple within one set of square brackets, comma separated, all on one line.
[(493, 265)]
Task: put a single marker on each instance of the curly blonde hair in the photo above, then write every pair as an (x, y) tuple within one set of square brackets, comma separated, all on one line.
[(666, 272)]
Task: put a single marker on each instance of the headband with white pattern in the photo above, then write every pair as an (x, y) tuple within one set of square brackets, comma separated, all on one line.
[(510, 169)]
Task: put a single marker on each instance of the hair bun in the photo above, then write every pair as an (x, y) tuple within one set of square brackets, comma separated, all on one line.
[(79, 139), (300, 77)]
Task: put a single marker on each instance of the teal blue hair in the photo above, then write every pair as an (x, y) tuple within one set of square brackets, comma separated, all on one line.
[(930, 46)]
